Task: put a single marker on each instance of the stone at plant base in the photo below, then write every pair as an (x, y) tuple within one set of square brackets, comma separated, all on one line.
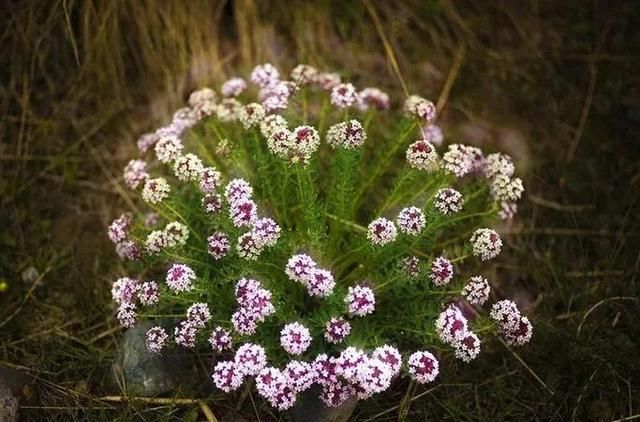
[(8, 404), (143, 373), (14, 386), (309, 408)]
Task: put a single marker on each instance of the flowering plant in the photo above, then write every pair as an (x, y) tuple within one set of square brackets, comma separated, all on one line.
[(313, 236)]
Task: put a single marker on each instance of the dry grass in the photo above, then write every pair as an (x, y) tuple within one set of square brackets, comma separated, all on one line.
[(555, 84)]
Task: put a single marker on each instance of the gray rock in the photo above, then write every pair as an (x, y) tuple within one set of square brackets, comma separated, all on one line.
[(309, 408), (8, 405), (145, 373)]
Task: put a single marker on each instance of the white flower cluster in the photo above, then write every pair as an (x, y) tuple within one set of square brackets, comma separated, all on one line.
[(303, 269), (452, 327), (349, 135), (486, 244)]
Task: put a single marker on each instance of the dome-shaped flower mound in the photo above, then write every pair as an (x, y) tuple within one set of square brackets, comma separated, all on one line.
[(282, 218)]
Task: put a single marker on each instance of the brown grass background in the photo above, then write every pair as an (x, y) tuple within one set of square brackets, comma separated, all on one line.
[(554, 83)]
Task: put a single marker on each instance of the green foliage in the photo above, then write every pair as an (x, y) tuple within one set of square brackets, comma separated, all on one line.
[(323, 206)]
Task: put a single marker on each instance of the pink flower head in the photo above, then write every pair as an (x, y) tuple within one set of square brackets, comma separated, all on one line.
[(218, 245), (184, 118), (168, 148), (274, 386), (373, 97), (198, 314), (125, 290), (506, 189), (128, 249), (508, 210), (280, 142), (156, 338), (251, 115), (451, 325), (305, 139), (411, 221), (246, 289), (498, 163), (127, 314), (432, 133), (243, 212), (336, 330), (269, 381), (320, 282), (226, 376), (337, 393), (135, 173), (457, 161), (389, 355), (249, 247), (327, 80), (212, 203), (264, 75), (275, 97), (188, 167), (119, 228), (272, 123), (300, 375), (228, 110), (266, 231), (156, 241), (381, 231), (360, 300), (205, 109), (209, 180), (185, 334), (477, 158), (146, 141), (238, 189), (176, 233), (275, 103), (258, 304), (155, 190), (244, 321), (348, 362), (220, 339), (250, 359), (423, 367), (373, 376), (233, 87), (284, 398), (448, 201), (411, 266), (148, 294), (506, 314), (349, 135), (477, 290), (180, 278), (420, 108), (343, 95), (202, 95), (303, 74), (324, 368), (486, 244), (422, 155), (299, 268), (468, 347), (519, 335), (441, 271), (295, 338), (151, 219)]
